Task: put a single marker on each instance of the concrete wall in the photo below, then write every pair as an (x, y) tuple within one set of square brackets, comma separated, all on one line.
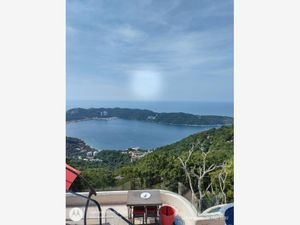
[(104, 198), (187, 211), (216, 221)]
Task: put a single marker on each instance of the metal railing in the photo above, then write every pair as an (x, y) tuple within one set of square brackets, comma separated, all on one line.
[(112, 217), (87, 206)]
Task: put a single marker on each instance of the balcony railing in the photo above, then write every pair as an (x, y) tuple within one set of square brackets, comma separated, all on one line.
[(112, 217)]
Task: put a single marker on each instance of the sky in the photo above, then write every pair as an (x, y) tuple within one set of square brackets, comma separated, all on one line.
[(150, 50)]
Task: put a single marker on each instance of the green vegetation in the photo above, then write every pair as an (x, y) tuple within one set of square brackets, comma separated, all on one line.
[(81, 155), (162, 168), (76, 147), (179, 118)]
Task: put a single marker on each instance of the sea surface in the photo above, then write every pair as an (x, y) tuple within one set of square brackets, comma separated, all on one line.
[(119, 134)]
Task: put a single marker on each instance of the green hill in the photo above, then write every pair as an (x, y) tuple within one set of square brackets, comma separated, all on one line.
[(178, 118), (161, 168)]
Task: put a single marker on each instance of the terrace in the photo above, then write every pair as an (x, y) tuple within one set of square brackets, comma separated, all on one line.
[(115, 210)]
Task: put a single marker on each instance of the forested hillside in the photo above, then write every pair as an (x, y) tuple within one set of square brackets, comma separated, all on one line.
[(170, 165), (146, 115)]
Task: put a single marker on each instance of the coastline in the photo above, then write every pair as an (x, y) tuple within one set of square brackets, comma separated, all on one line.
[(150, 121), (101, 134), (87, 119)]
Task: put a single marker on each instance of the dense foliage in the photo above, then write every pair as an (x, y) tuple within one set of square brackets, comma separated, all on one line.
[(81, 155), (162, 169), (76, 147), (146, 115)]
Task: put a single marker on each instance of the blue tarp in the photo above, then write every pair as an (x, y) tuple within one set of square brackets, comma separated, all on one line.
[(229, 216)]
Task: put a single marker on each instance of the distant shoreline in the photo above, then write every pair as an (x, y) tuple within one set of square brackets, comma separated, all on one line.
[(148, 121), (172, 118), (193, 107), (88, 119)]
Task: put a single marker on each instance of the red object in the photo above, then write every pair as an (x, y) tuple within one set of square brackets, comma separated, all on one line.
[(167, 215), (71, 175), (138, 210)]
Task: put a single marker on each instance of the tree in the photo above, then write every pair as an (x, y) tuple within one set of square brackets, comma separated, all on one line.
[(199, 171), (187, 172), (222, 178)]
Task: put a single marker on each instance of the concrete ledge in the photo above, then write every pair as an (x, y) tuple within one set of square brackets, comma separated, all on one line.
[(103, 197)]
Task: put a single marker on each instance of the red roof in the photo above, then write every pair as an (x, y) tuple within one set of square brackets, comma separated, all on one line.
[(71, 174)]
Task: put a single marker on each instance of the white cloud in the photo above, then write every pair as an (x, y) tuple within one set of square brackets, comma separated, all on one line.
[(127, 33), (175, 40)]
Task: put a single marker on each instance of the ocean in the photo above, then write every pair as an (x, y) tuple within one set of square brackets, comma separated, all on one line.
[(119, 134)]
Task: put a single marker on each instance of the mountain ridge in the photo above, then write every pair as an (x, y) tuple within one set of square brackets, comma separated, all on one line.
[(174, 118)]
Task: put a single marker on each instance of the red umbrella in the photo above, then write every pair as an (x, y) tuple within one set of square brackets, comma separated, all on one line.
[(71, 175)]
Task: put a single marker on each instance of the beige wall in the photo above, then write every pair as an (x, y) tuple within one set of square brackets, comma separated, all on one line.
[(104, 198), (211, 222)]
